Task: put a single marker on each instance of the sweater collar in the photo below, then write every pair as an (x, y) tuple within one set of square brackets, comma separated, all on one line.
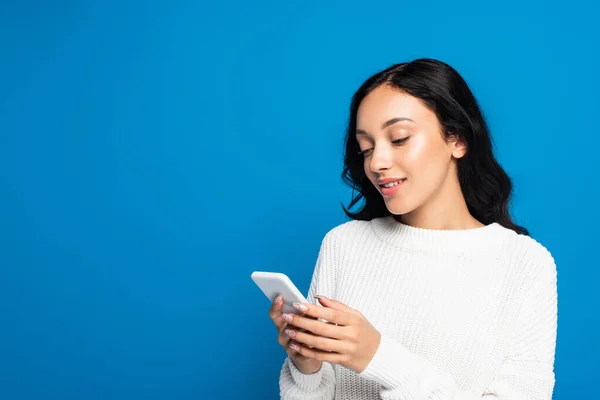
[(409, 237)]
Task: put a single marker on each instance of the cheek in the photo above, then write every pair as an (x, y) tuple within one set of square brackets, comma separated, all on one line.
[(418, 156), (426, 161)]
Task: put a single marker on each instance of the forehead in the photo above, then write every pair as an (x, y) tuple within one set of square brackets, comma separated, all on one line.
[(385, 103)]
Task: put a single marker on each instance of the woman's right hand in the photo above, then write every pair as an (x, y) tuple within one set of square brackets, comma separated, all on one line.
[(304, 364)]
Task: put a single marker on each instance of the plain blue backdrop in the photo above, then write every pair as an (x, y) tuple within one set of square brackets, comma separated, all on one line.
[(154, 154)]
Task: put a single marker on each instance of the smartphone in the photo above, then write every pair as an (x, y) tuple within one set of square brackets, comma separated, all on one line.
[(273, 284)]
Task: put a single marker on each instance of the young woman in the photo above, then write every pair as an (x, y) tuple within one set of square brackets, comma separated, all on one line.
[(431, 291)]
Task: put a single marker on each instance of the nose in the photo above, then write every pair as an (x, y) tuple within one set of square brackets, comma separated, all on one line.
[(381, 158)]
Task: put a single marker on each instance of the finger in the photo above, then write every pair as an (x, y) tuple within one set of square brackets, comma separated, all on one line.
[(316, 354), (282, 338), (276, 306), (317, 327), (285, 339), (286, 326), (289, 349), (318, 342), (275, 312), (287, 343), (335, 304), (339, 317)]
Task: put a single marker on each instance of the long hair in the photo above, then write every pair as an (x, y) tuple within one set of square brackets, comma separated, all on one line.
[(484, 184)]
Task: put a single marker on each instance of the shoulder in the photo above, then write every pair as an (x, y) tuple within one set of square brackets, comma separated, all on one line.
[(528, 254), (345, 237), (348, 231), (524, 244)]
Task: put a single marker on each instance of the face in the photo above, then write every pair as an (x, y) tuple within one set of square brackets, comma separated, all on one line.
[(402, 142)]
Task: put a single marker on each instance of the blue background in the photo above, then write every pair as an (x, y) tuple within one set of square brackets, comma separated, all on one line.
[(154, 154)]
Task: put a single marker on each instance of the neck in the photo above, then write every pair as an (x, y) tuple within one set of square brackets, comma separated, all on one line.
[(440, 219)]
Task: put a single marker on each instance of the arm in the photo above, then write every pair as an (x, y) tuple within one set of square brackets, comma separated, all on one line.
[(293, 384), (526, 374)]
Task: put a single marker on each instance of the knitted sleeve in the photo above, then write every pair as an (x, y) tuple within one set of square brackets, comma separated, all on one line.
[(526, 374), (293, 384)]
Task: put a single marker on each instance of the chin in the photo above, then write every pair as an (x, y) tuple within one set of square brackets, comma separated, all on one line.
[(398, 207)]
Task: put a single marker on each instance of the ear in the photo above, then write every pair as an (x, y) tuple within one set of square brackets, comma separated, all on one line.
[(458, 146)]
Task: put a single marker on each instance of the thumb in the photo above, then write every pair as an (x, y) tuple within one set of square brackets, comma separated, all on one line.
[(336, 305)]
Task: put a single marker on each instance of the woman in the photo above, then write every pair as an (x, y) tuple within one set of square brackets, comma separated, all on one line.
[(431, 291)]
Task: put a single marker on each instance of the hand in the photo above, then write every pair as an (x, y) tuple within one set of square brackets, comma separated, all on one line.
[(347, 338), (304, 364)]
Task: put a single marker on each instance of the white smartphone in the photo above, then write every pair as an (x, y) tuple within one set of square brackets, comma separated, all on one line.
[(273, 284)]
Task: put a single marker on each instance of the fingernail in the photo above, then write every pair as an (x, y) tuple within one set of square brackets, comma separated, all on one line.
[(278, 299), (320, 296), (300, 306), (287, 317), (294, 346), (290, 332)]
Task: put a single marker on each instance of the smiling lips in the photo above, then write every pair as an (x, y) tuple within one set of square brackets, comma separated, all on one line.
[(389, 186)]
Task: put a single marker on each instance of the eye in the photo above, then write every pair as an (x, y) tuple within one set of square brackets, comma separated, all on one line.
[(400, 141), (367, 152)]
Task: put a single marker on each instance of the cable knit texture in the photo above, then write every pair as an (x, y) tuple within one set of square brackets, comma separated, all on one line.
[(463, 314)]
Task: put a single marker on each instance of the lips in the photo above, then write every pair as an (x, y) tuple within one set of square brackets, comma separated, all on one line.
[(386, 182), (391, 187), (392, 184)]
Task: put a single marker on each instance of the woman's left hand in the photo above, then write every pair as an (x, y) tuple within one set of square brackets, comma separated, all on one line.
[(347, 339)]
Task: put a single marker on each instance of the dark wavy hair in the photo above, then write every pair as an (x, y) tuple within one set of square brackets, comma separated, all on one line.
[(484, 184)]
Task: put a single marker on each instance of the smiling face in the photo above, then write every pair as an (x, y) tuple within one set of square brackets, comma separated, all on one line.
[(402, 140)]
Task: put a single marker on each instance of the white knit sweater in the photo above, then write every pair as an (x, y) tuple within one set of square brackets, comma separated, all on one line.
[(464, 315)]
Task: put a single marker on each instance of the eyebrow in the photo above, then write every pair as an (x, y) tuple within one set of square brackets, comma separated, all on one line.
[(386, 124)]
